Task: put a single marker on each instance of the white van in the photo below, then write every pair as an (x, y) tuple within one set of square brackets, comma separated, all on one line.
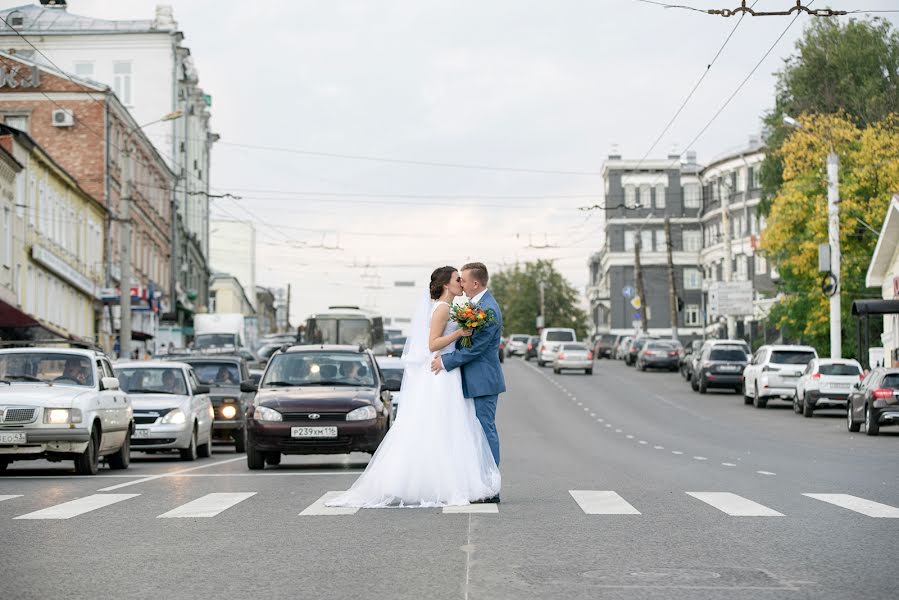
[(550, 340)]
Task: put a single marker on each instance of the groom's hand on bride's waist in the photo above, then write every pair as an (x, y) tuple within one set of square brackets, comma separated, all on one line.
[(436, 365)]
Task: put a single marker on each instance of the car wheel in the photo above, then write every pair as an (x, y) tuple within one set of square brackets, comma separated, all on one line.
[(759, 401), (851, 424), (694, 385), (122, 458), (872, 427), (703, 385), (807, 409), (641, 366), (738, 389), (87, 463), (190, 453), (747, 399), (240, 441), (588, 371), (796, 408), (557, 371), (205, 450), (255, 459), (540, 363), (273, 458)]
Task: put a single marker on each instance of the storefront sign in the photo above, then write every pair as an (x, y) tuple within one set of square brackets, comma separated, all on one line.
[(64, 270), (20, 77)]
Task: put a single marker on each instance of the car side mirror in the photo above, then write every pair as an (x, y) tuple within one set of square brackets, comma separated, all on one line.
[(109, 383), (248, 386), (201, 389)]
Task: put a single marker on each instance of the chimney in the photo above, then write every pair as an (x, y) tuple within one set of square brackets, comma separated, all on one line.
[(614, 153), (165, 17), (691, 157), (60, 4)]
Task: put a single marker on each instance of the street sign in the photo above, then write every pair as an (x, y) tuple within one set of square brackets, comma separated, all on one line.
[(636, 302), (627, 291), (638, 317), (732, 299)]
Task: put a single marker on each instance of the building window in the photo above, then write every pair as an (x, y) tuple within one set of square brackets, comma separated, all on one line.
[(121, 83), (753, 224), (738, 180), (660, 196), (7, 237), (692, 279), (761, 265), (628, 241), (646, 241), (691, 315), (692, 241), (754, 181), (19, 122), (84, 68), (692, 195), (630, 196), (742, 267), (645, 200)]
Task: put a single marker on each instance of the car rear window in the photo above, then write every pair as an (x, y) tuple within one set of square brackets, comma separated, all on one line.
[(890, 380), (840, 370), (608, 339), (559, 336), (728, 354), (791, 357), (223, 373), (574, 348)]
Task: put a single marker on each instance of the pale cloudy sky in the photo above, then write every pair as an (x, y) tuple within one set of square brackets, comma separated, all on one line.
[(521, 84)]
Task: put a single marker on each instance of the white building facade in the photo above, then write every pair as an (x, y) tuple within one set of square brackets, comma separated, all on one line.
[(233, 251)]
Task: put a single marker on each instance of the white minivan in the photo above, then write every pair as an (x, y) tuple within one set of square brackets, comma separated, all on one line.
[(550, 340)]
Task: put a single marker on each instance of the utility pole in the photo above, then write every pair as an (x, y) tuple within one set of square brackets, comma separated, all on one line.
[(125, 258), (672, 288), (541, 319), (728, 255), (833, 236), (287, 309), (638, 276)]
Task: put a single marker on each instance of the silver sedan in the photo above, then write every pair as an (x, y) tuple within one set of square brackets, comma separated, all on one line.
[(573, 357)]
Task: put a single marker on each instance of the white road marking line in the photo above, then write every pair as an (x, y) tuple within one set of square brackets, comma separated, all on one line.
[(617, 431), (480, 509), (585, 408), (599, 419), (207, 506), (318, 507), (9, 496), (592, 415), (734, 505), (608, 425), (644, 442), (700, 458), (859, 505), (73, 508), (765, 473), (728, 465), (629, 436), (678, 452), (594, 502), (160, 476), (659, 447)]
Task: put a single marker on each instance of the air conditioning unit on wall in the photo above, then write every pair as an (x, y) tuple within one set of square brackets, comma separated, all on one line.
[(63, 118)]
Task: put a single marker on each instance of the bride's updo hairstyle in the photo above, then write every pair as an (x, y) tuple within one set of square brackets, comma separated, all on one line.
[(439, 278)]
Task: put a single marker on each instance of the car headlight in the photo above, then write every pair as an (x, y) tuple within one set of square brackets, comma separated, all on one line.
[(363, 413), (59, 416), (229, 411), (175, 417), (264, 413)]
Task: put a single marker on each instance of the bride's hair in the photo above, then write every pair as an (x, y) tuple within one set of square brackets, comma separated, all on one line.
[(439, 278)]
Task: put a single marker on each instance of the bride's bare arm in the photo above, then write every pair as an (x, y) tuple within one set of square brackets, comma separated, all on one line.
[(437, 341)]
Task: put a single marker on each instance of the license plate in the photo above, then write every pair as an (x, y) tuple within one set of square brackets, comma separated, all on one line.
[(789, 374), (838, 386), (12, 438), (728, 368), (141, 433), (313, 432)]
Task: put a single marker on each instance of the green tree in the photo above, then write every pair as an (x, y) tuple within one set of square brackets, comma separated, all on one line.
[(847, 67), (517, 290)]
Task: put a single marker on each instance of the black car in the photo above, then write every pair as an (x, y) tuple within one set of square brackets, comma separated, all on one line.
[(874, 401), (720, 366), (326, 399), (224, 374), (604, 345), (533, 346)]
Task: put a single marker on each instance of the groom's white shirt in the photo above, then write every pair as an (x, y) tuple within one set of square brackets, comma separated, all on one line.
[(477, 298)]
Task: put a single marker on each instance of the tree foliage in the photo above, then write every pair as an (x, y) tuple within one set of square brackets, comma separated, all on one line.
[(797, 224), (517, 290)]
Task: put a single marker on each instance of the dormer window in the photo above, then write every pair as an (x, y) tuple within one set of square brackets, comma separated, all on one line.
[(16, 19)]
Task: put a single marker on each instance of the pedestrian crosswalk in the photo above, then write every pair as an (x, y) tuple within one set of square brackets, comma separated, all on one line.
[(595, 503)]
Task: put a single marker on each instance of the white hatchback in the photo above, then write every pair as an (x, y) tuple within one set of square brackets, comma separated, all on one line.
[(62, 404), (826, 383)]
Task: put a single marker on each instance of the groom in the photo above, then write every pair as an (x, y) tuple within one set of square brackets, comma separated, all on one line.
[(482, 376)]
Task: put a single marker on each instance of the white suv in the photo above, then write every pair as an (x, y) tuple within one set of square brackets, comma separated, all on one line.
[(62, 404), (826, 383), (773, 373), (551, 339)]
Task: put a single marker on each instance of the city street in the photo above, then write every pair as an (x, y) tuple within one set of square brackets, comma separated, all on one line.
[(618, 485)]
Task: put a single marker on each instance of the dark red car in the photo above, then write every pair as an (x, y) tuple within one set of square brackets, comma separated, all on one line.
[(317, 400)]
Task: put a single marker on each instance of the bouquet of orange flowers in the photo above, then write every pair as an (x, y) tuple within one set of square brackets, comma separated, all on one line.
[(470, 317)]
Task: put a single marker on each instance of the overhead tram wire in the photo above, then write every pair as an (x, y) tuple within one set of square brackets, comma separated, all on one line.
[(743, 10)]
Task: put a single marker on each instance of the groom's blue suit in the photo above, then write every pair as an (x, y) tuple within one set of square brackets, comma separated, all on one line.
[(482, 375)]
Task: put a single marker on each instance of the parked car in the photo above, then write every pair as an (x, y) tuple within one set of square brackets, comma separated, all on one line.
[(659, 354), (532, 347), (825, 383), (518, 344), (773, 372), (172, 410), (223, 374), (573, 357), (550, 340), (265, 352), (326, 399), (720, 366), (693, 367), (394, 345), (630, 358), (604, 345), (63, 404), (623, 346), (392, 374), (874, 401)]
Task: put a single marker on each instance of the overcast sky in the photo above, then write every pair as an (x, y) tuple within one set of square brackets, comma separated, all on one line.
[(518, 84)]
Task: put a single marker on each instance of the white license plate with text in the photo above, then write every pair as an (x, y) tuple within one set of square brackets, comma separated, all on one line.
[(12, 438), (141, 433), (313, 432)]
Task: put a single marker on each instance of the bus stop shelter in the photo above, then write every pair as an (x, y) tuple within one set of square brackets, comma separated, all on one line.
[(863, 310)]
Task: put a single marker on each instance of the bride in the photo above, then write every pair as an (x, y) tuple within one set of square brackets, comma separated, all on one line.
[(436, 453)]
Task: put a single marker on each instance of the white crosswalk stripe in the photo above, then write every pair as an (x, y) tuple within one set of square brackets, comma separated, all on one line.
[(594, 502), (209, 505), (318, 507), (734, 505), (74, 508), (480, 509), (859, 505), (9, 496)]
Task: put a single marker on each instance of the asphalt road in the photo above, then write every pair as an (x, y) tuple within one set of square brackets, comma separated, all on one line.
[(616, 485)]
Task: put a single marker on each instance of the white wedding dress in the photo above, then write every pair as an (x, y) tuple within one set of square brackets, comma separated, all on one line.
[(436, 453)]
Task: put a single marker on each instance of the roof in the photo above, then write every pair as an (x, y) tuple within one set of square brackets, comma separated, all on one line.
[(150, 364), (72, 351), (56, 21), (887, 242), (209, 358), (325, 348), (875, 307)]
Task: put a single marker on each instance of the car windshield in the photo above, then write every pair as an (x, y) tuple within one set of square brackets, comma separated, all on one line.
[(152, 380), (840, 369), (559, 336), (791, 357), (607, 339), (217, 373), (47, 367), (319, 368), (574, 348), (724, 353)]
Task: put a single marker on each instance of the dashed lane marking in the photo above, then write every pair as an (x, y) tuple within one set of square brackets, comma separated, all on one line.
[(765, 473), (73, 508), (859, 505), (602, 503), (678, 452), (170, 474), (726, 464), (209, 505), (734, 505), (9, 496)]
